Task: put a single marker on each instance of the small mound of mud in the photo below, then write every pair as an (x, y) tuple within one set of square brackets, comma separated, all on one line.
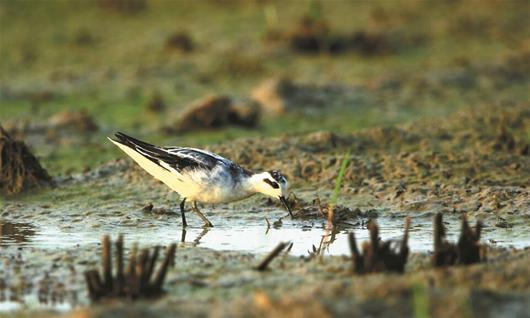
[(73, 120), (314, 36), (150, 208), (83, 37), (341, 214), (214, 112), (280, 95), (318, 210), (180, 41), (156, 104), (20, 170)]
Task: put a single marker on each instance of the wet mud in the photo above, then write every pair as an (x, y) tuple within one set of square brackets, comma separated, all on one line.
[(209, 282), (463, 164), (454, 142), (216, 112), (315, 36), (20, 169), (474, 162)]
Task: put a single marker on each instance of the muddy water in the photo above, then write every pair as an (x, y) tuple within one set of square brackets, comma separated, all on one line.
[(51, 232), (40, 245), (250, 237)]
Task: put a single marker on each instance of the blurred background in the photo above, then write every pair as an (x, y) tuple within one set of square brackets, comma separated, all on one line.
[(201, 72)]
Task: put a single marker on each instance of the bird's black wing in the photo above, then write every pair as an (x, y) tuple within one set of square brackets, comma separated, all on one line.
[(203, 156), (180, 160), (210, 160)]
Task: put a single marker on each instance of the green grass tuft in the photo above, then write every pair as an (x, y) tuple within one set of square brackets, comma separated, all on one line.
[(420, 301), (340, 177)]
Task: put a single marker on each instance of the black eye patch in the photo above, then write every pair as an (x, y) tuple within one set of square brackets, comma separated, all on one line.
[(273, 184), (277, 176)]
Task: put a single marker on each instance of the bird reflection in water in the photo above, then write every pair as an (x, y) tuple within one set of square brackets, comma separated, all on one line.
[(15, 233)]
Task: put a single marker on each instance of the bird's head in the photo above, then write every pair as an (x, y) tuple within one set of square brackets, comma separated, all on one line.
[(273, 184)]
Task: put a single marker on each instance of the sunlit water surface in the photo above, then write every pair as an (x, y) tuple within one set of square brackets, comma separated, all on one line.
[(235, 235), (253, 238)]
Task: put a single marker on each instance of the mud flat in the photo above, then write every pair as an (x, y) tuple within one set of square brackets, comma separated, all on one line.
[(430, 101), (474, 162), (219, 283)]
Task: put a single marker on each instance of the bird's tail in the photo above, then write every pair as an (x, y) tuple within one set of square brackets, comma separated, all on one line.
[(129, 141)]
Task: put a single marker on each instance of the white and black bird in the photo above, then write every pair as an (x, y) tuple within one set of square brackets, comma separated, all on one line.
[(201, 176)]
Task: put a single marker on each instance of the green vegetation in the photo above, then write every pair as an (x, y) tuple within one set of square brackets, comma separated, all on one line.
[(420, 300), (338, 180), (427, 102), (110, 62)]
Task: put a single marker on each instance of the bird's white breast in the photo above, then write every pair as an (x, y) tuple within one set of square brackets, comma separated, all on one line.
[(215, 186)]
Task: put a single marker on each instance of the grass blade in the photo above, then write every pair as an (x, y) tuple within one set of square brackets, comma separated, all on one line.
[(338, 180)]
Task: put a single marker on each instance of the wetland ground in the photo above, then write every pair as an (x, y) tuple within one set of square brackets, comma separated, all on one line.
[(430, 100)]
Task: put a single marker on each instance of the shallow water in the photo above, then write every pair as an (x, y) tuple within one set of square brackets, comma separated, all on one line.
[(250, 237), (67, 228), (32, 301), (248, 233)]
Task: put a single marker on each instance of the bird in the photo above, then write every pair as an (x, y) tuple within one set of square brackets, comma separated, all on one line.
[(202, 176)]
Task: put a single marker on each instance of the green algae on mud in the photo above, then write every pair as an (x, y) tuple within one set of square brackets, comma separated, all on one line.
[(41, 76)]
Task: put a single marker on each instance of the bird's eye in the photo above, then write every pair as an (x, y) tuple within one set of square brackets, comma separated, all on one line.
[(273, 184)]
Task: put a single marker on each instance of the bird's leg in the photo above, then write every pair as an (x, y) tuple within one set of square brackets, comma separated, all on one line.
[(184, 223), (183, 235), (199, 213)]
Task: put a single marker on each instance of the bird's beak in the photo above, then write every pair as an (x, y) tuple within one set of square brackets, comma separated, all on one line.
[(286, 205)]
